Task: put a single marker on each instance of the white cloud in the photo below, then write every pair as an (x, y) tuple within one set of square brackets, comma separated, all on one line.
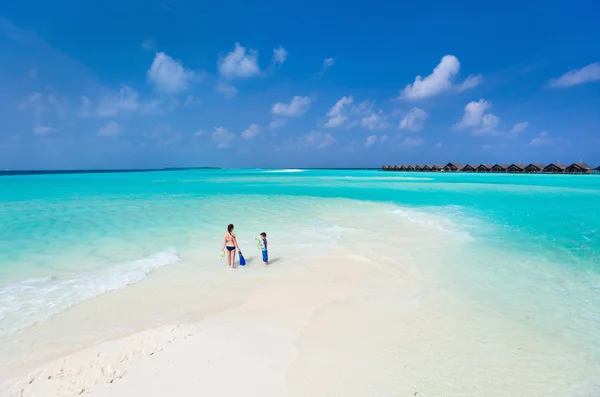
[(149, 44), (297, 107), (438, 145), (277, 123), (239, 63), (587, 74), (43, 130), (440, 80), (222, 138), (371, 140), (384, 139), (542, 139), (317, 140), (85, 106), (127, 100), (519, 127), (412, 142), (375, 120), (414, 120), (338, 113), (199, 133), (328, 62), (46, 109), (164, 134), (228, 90), (168, 75), (252, 131), (279, 55), (494, 146), (476, 119), (109, 129)]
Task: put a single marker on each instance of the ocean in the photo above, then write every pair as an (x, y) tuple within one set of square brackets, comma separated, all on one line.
[(524, 247)]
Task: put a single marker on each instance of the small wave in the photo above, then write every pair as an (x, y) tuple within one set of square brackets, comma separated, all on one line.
[(30, 301), (381, 178), (284, 170), (438, 222)]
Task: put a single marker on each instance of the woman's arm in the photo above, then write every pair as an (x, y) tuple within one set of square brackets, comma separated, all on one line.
[(224, 243)]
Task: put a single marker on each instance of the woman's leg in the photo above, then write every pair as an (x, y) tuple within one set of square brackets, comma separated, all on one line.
[(231, 258)]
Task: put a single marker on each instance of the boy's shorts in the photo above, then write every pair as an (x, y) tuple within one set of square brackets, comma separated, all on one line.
[(265, 256)]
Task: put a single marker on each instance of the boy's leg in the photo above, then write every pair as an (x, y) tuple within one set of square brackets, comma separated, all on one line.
[(265, 255)]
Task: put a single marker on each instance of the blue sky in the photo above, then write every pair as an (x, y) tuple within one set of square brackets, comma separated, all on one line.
[(167, 83)]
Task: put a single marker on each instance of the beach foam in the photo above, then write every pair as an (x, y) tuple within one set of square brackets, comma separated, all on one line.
[(33, 300)]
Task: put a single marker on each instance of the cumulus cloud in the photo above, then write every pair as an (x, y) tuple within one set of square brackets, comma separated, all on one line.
[(199, 133), (228, 90), (277, 123), (279, 55), (297, 107), (414, 120), (338, 114), (519, 127), (317, 140), (371, 140), (222, 137), (85, 106), (587, 74), (328, 62), (375, 120), (128, 101), (239, 63), (168, 75), (439, 81), (44, 129), (544, 139), (109, 129), (412, 142), (252, 131), (476, 119), (149, 44)]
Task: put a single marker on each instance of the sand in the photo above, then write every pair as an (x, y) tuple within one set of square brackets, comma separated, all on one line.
[(331, 329)]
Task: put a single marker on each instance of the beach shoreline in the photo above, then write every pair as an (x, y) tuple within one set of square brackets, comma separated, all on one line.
[(312, 333)]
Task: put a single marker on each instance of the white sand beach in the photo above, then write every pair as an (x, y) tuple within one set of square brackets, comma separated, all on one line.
[(323, 331)]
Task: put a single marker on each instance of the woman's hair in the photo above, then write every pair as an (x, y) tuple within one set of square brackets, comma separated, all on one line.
[(263, 234), (230, 227)]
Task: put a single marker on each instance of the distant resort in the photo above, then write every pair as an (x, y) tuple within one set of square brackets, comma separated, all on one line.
[(536, 168)]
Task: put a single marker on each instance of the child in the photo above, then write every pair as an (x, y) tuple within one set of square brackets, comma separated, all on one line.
[(265, 252)]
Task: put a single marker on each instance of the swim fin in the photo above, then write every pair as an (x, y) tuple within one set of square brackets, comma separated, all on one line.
[(242, 260)]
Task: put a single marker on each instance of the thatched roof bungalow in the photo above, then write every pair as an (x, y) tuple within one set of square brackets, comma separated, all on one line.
[(483, 168), (426, 167), (470, 168), (578, 168), (410, 168), (499, 168), (385, 168), (402, 168), (418, 167), (395, 168), (453, 167), (515, 168), (554, 168), (534, 167), (437, 167)]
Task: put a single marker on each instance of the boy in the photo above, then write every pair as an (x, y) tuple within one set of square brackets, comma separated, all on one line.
[(265, 252)]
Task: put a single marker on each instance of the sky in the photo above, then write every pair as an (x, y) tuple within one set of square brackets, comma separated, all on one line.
[(176, 83)]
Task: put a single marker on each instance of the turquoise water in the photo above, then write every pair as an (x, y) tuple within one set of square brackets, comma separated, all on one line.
[(528, 246)]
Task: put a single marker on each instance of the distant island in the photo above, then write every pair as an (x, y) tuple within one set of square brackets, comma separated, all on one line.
[(534, 168)]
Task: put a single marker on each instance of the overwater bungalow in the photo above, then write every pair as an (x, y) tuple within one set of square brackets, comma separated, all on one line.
[(499, 168), (426, 167), (410, 168), (385, 168), (578, 168), (483, 168), (394, 168), (554, 168), (402, 168), (515, 168), (470, 168), (534, 168), (418, 167), (437, 167), (453, 167)]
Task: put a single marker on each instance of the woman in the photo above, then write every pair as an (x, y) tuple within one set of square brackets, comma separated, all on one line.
[(230, 242)]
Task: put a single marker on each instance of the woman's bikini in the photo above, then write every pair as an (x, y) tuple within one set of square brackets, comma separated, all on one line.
[(230, 241)]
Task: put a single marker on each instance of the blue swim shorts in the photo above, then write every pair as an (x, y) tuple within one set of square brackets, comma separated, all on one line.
[(265, 256)]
